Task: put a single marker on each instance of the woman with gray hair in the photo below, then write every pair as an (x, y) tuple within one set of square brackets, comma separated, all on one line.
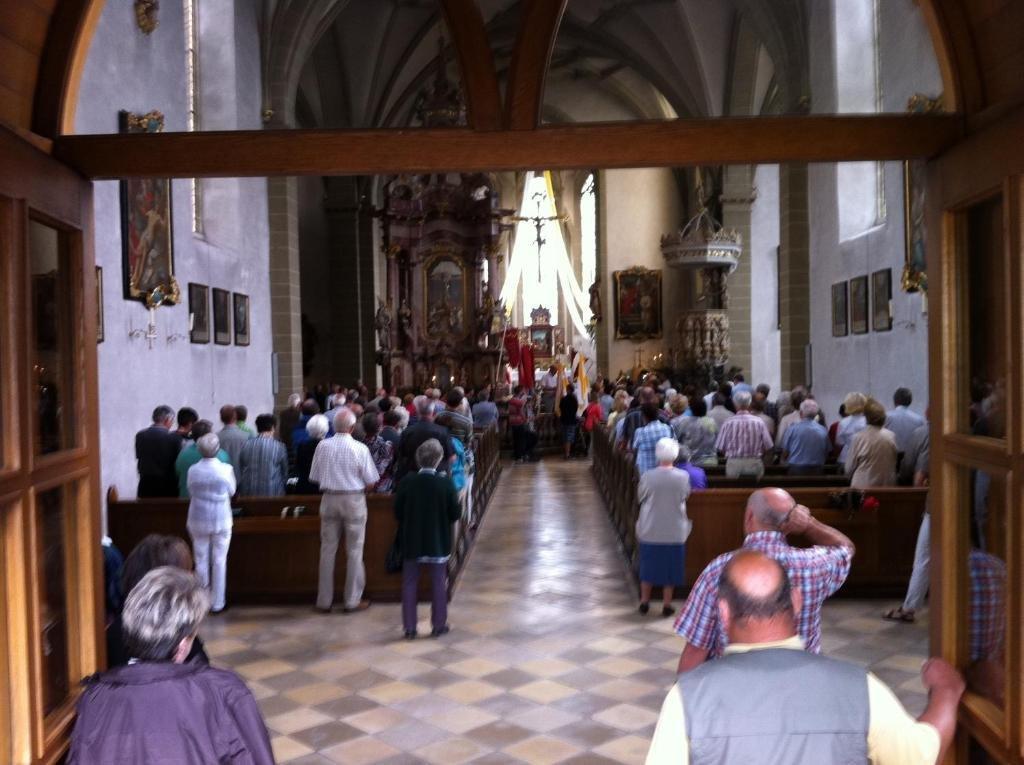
[(663, 526), (160, 708), (426, 506), (317, 428), (211, 484)]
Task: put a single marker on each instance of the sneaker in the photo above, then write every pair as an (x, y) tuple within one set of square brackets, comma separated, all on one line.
[(644, 608)]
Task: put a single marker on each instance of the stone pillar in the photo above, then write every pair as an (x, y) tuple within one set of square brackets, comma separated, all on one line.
[(350, 343), (794, 274), (285, 298), (738, 195)]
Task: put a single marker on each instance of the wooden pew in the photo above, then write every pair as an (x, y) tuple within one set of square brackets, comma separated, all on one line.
[(275, 548), (885, 537)]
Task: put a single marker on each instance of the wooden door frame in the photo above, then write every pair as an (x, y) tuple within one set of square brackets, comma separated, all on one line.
[(987, 163), (34, 186)]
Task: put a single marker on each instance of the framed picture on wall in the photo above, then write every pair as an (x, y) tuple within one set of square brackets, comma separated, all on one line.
[(840, 316), (915, 267), (859, 305), (241, 309), (147, 245), (99, 304), (881, 300), (637, 304), (199, 313), (221, 317)]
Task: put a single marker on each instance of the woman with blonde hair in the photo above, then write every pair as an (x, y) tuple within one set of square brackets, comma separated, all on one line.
[(620, 405), (872, 457), (852, 424)]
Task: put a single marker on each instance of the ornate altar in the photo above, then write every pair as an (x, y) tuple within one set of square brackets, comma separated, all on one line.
[(441, 322), (548, 342)]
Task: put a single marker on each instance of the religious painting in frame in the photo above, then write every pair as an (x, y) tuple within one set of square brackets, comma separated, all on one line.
[(147, 242), (99, 305), (915, 273), (221, 317), (445, 296), (859, 305), (199, 313), (240, 304), (881, 300), (638, 304), (840, 315)]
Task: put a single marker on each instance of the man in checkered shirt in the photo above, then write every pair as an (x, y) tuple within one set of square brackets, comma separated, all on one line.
[(772, 515), (744, 439)]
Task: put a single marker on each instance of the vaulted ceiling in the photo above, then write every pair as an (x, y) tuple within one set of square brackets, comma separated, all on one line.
[(43, 44)]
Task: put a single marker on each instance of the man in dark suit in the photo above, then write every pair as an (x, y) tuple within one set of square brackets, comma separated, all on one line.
[(156, 449), (422, 430)]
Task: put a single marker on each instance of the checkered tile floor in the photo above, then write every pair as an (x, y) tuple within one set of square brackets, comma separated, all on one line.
[(547, 660)]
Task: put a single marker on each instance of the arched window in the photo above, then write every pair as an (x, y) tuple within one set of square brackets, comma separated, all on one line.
[(539, 263), (861, 197), (588, 231), (192, 100)]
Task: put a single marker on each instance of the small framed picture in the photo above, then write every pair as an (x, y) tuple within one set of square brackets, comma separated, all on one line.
[(859, 305), (198, 313), (241, 309), (840, 317), (221, 317), (881, 300), (99, 304)]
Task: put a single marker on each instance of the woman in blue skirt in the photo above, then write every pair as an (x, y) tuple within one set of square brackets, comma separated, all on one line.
[(663, 526)]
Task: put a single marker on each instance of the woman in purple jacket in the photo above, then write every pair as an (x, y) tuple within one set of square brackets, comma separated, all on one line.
[(161, 708)]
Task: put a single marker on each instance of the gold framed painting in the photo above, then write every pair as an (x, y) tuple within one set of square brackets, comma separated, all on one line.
[(147, 240), (638, 304)]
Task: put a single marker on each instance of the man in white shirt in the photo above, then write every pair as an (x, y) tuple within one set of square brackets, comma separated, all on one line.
[(345, 471), (900, 420)]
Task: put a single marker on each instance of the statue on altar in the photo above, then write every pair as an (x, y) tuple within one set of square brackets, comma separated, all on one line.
[(405, 323), (382, 321), (595, 301)]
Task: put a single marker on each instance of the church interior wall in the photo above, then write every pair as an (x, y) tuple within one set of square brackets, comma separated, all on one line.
[(875, 363), (637, 206), (762, 251), (233, 253)]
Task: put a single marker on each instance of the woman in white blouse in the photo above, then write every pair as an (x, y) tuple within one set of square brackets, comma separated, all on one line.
[(211, 484)]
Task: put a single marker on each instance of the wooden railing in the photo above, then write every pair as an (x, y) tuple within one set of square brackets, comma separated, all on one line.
[(885, 536), (275, 544)]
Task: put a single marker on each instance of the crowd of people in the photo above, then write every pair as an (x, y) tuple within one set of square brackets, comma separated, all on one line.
[(750, 677)]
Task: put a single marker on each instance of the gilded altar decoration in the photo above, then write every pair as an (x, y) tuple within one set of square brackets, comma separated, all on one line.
[(146, 15), (146, 227), (638, 304)]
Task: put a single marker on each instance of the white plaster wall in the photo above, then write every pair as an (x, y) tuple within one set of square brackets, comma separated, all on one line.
[(877, 362), (128, 70), (637, 206), (762, 250)]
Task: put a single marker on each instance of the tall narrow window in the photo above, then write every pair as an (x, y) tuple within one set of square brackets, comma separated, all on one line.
[(588, 231), (861, 193), (192, 96)]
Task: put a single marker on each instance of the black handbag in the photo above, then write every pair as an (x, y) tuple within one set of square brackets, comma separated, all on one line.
[(394, 561)]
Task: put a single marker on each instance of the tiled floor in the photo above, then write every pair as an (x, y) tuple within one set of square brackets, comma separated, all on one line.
[(547, 660)]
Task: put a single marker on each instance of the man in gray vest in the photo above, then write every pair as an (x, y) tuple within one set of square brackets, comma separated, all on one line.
[(770, 701)]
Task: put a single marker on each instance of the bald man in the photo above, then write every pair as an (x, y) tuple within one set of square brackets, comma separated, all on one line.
[(817, 571), (770, 701)]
